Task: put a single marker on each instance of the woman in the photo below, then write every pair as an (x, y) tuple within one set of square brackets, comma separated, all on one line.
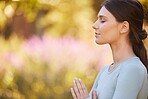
[(119, 24)]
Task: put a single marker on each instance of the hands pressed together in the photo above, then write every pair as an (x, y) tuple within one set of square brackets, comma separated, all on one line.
[(79, 90)]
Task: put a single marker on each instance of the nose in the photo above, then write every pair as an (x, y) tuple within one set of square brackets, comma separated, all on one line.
[(95, 25)]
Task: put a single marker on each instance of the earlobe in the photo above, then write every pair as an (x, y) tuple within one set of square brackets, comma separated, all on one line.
[(124, 27)]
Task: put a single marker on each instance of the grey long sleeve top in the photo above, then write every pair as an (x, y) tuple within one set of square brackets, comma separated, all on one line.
[(127, 81)]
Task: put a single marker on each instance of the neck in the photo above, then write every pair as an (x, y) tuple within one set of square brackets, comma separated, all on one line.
[(121, 52)]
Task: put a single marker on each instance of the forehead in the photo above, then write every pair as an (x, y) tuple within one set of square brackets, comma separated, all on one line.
[(105, 13)]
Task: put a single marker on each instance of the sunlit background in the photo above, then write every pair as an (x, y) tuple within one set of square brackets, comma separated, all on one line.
[(45, 44)]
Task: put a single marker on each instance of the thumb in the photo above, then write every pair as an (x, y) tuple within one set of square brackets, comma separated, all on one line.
[(94, 95)]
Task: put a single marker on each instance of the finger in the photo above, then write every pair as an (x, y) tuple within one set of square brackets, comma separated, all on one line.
[(73, 93), (76, 90), (84, 88), (80, 89), (94, 95)]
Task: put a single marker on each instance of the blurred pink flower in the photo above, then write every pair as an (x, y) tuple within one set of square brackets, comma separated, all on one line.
[(13, 59), (65, 51)]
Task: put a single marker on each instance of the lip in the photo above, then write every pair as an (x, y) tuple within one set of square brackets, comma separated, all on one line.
[(97, 34)]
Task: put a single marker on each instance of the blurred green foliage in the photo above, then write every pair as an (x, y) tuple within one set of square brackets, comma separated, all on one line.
[(56, 17), (44, 68), (45, 44)]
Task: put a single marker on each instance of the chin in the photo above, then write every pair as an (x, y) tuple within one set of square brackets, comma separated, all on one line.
[(100, 43)]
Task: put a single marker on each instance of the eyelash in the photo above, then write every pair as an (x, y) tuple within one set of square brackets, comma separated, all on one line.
[(102, 21)]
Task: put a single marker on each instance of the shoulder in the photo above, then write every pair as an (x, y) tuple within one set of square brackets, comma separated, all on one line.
[(133, 66)]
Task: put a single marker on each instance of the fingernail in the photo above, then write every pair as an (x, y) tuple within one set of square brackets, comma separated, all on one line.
[(71, 89), (79, 79)]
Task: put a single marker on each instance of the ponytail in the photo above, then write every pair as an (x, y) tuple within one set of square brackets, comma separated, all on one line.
[(138, 46), (140, 52)]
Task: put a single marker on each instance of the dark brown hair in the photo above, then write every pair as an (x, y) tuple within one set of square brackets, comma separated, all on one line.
[(131, 11)]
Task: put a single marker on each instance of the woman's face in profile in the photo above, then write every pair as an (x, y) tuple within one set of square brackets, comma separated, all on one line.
[(107, 29)]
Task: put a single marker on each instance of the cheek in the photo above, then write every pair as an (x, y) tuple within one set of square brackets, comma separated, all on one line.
[(108, 27), (109, 32)]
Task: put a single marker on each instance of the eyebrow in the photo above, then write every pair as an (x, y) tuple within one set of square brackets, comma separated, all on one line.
[(101, 16)]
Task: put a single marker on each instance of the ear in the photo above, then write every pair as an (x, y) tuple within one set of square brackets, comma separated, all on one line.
[(124, 27)]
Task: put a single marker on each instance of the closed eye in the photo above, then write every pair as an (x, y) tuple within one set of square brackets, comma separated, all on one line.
[(102, 21), (102, 18)]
